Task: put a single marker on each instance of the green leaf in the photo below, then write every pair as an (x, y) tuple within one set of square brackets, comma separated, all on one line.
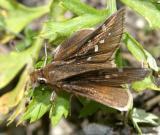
[(134, 47), (56, 11), (147, 83), (13, 62), (118, 59), (10, 65), (139, 52), (13, 97), (27, 41), (89, 109), (18, 16), (39, 104), (140, 116), (151, 61), (2, 22), (40, 63), (111, 5), (78, 7), (59, 108), (17, 112), (147, 9), (54, 31)]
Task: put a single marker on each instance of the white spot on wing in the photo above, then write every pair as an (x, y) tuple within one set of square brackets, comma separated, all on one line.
[(89, 41), (101, 41), (113, 64), (104, 27), (96, 48), (89, 58), (107, 76), (114, 75), (109, 33), (52, 72)]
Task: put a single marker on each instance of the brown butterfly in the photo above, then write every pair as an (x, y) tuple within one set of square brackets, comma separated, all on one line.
[(83, 65)]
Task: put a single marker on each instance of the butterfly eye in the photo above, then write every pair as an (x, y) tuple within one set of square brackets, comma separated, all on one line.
[(42, 81)]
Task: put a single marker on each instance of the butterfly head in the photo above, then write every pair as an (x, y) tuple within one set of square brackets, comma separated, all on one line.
[(38, 77)]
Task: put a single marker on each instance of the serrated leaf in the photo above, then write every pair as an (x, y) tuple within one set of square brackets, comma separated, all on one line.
[(59, 108), (147, 83), (18, 16), (12, 98), (147, 9), (140, 116), (38, 106)]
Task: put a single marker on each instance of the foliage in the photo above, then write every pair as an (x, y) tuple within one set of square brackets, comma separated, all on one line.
[(15, 17), (140, 116), (148, 9)]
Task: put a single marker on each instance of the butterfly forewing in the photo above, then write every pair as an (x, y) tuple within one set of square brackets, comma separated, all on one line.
[(71, 45), (106, 40), (88, 45)]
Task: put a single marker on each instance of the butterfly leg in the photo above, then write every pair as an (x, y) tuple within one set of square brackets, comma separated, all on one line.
[(70, 100), (53, 96), (46, 55)]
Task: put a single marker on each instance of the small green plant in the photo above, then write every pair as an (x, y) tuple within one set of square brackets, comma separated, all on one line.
[(15, 18)]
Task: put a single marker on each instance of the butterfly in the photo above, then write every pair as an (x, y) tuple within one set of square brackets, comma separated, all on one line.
[(84, 66)]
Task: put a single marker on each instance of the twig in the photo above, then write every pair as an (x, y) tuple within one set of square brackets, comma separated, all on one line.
[(149, 104)]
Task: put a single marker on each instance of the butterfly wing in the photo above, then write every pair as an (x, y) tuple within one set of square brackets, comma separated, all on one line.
[(105, 85), (112, 77), (71, 45), (93, 46), (117, 98)]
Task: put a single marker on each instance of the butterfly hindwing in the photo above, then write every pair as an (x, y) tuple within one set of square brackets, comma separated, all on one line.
[(117, 98)]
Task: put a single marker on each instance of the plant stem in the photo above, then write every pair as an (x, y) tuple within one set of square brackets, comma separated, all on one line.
[(111, 5)]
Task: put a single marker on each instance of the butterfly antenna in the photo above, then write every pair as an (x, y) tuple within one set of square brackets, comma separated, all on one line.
[(46, 55), (70, 100)]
